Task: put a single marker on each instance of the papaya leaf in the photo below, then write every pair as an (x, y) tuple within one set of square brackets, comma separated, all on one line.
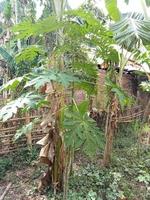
[(122, 96), (29, 100), (89, 68), (27, 29), (29, 53), (25, 129), (47, 76), (89, 87), (12, 84), (81, 131)]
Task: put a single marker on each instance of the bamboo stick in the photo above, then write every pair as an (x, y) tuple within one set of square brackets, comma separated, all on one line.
[(5, 191)]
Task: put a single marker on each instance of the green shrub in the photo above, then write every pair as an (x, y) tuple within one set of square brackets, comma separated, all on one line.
[(5, 164)]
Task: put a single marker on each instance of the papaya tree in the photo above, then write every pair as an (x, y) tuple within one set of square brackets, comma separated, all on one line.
[(62, 72)]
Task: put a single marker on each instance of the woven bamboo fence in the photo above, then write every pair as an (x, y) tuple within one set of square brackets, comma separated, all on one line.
[(9, 128)]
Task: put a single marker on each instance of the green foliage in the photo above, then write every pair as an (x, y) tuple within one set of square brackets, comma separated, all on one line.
[(1, 30), (87, 68), (134, 167), (113, 10), (12, 84), (83, 28), (18, 160), (6, 55), (7, 10), (147, 2), (87, 86), (81, 131), (8, 58), (127, 135), (132, 29), (94, 183), (122, 96), (25, 129), (29, 54), (28, 100), (144, 177), (145, 85), (27, 29), (126, 1), (49, 75), (146, 128), (5, 164)]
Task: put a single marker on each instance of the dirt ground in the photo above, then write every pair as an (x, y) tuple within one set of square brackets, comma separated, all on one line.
[(23, 185)]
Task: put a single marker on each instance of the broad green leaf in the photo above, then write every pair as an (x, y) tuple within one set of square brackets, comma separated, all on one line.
[(8, 58), (89, 87), (12, 84), (81, 131), (83, 107), (122, 96), (89, 68), (47, 76), (25, 129), (28, 28), (29, 100), (113, 10), (29, 53), (131, 30)]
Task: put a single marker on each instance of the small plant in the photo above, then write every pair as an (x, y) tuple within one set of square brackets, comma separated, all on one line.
[(17, 160), (5, 164)]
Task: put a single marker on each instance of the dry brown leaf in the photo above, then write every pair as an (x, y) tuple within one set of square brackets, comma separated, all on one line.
[(45, 140), (51, 152), (45, 160), (47, 154), (45, 150)]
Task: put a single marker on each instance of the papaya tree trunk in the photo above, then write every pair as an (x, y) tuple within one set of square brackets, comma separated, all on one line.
[(58, 165), (109, 142), (110, 128)]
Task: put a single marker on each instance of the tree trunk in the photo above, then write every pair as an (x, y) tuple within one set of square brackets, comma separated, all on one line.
[(110, 128), (109, 143), (17, 21), (28, 135)]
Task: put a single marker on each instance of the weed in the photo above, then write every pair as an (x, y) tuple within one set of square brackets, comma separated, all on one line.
[(17, 160)]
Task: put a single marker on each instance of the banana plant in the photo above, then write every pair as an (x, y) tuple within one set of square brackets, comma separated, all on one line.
[(9, 59), (131, 33)]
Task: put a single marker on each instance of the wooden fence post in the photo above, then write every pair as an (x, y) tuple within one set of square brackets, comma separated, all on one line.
[(28, 135)]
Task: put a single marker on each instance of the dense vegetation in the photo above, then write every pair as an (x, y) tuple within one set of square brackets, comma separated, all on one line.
[(49, 62)]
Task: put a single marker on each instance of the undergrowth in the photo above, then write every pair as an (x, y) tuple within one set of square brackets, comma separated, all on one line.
[(128, 177), (17, 160)]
